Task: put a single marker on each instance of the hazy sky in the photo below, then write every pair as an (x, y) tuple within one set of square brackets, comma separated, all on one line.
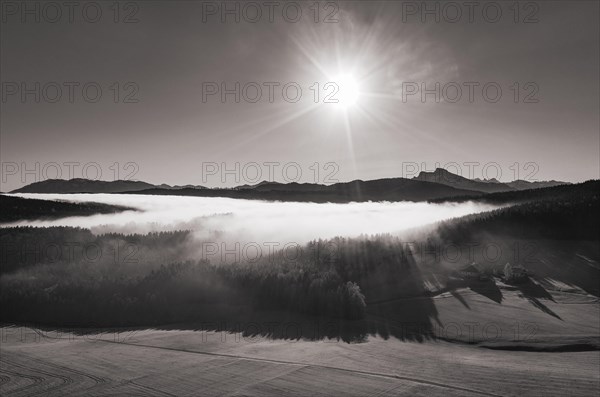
[(176, 49)]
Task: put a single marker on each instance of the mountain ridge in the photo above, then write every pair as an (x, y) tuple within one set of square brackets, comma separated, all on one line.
[(426, 186), (82, 185), (445, 177)]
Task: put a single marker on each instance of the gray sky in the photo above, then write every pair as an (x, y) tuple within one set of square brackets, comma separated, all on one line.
[(176, 47)]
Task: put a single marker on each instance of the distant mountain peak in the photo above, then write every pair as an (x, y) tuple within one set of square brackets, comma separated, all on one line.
[(440, 174), (256, 185), (445, 177), (492, 180), (437, 171)]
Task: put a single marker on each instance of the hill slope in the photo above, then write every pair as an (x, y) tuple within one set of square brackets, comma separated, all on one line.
[(16, 208), (80, 185)]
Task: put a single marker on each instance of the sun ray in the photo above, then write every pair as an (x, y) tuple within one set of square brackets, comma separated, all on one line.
[(311, 58), (296, 115), (350, 141)]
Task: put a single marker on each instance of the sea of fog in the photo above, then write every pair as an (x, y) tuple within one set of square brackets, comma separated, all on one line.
[(252, 220)]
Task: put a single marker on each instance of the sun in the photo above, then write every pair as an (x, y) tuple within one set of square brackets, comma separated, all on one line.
[(347, 90)]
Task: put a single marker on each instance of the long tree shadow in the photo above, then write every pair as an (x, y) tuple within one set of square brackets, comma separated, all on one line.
[(407, 319), (402, 308), (459, 298), (533, 292), (487, 288)]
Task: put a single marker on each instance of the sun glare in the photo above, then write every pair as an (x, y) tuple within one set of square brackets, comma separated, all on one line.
[(348, 91)]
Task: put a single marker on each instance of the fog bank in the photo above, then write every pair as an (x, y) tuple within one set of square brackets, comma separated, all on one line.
[(251, 220)]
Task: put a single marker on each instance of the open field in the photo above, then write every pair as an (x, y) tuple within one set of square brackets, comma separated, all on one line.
[(145, 366), (184, 361)]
